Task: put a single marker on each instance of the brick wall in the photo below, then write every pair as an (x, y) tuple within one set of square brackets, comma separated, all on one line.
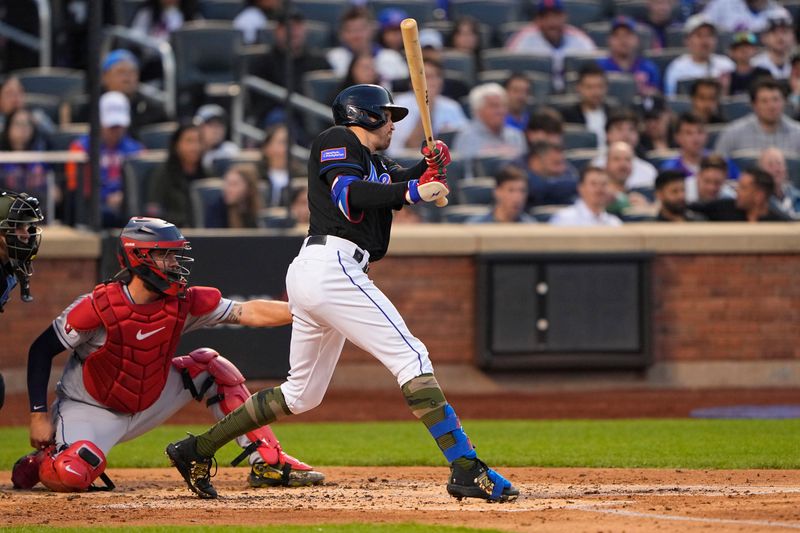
[(726, 307), (54, 285), (434, 295), (706, 307)]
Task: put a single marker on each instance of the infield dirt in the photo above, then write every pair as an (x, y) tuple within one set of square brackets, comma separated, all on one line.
[(559, 500)]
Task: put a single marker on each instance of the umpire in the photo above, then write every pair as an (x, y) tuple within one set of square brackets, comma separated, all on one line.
[(353, 190), (20, 236)]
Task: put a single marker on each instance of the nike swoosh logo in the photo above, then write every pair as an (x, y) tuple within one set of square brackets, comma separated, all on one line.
[(435, 194), (69, 469), (35, 407), (142, 336)]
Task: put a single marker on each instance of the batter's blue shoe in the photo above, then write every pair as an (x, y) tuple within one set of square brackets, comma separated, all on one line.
[(480, 482)]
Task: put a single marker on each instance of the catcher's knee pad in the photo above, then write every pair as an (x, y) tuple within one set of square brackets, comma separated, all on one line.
[(231, 393), (73, 469)]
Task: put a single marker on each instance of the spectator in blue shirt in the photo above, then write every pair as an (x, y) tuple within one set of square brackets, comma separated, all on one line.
[(623, 48), (691, 136), (518, 87), (115, 147)]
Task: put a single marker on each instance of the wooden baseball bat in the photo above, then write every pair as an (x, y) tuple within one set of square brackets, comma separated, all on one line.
[(416, 70)]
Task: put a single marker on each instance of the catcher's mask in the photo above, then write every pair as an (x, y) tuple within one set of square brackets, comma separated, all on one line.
[(19, 218), (364, 105), (155, 250)]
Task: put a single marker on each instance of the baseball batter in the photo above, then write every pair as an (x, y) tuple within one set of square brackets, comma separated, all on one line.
[(20, 237), (352, 192), (122, 378)]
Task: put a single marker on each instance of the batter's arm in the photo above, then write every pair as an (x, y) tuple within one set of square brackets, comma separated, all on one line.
[(259, 314)]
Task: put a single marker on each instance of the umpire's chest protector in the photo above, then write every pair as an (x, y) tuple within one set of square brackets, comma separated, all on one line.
[(128, 373)]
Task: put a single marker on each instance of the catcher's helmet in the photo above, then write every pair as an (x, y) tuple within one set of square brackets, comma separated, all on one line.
[(19, 216), (363, 105), (165, 273)]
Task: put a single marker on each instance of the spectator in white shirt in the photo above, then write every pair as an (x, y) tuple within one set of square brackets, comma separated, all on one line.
[(212, 122), (623, 126), (590, 208), (700, 61), (447, 115), (549, 34), (779, 41), (710, 182), (357, 35), (254, 17), (742, 15)]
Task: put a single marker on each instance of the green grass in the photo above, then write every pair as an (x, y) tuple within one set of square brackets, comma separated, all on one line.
[(328, 528), (717, 444)]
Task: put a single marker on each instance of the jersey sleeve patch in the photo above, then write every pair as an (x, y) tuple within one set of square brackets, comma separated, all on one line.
[(333, 154)]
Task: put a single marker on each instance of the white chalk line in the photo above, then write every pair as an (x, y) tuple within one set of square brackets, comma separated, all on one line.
[(677, 518)]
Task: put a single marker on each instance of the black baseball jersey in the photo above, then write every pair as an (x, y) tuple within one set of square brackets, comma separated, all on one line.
[(364, 212)]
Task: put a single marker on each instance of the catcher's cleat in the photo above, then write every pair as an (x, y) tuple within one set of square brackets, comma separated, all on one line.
[(480, 482), (195, 469), (264, 475)]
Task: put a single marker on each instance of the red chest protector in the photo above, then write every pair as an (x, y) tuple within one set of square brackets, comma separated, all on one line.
[(128, 373)]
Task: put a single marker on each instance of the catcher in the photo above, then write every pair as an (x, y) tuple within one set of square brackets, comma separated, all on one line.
[(122, 378), (20, 237)]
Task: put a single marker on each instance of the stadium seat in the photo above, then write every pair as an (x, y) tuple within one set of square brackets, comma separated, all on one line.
[(136, 172), (61, 82), (575, 62), (736, 107), (793, 6), (124, 11), (502, 59), (685, 86), (204, 53), (636, 9), (576, 137), (328, 11), (157, 136), (221, 165), (476, 191), (543, 213), (599, 31), (662, 58), (507, 30), (659, 157), (275, 218), (63, 137), (580, 158), (421, 10), (540, 82), (493, 13), (621, 86), (321, 85), (581, 12), (679, 104), (456, 60), (489, 165), (713, 133), (458, 214), (320, 34), (221, 9), (49, 104), (204, 194)]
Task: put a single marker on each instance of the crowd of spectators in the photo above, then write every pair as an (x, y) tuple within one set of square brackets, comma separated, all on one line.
[(683, 111)]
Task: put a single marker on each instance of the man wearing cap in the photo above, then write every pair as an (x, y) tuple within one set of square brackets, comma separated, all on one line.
[(115, 146), (549, 34), (743, 15), (623, 56), (779, 41), (255, 17), (389, 20), (120, 72), (743, 48), (700, 61), (212, 121)]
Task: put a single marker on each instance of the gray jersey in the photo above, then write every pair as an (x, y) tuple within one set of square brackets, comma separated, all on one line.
[(84, 343)]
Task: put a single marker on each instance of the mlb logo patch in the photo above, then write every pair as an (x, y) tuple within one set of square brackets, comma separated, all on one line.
[(333, 154)]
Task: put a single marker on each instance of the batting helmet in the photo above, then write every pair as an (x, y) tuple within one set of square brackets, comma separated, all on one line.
[(19, 216), (165, 272), (364, 105)]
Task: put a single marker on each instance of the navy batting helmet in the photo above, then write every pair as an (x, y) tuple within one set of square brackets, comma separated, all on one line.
[(364, 105), (167, 272)]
